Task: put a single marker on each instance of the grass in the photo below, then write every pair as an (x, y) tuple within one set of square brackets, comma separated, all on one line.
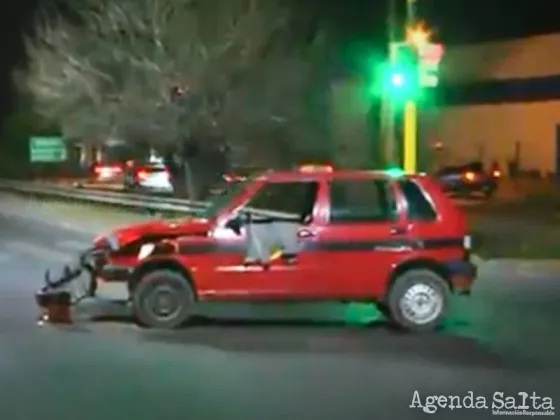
[(527, 229), (517, 245)]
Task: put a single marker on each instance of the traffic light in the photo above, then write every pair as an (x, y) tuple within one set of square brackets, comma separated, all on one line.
[(401, 81), (429, 55)]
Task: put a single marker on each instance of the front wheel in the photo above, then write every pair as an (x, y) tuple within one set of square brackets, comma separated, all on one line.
[(163, 300), (418, 300)]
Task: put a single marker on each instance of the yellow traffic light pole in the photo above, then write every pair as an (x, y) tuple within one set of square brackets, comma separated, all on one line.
[(410, 136), (410, 113)]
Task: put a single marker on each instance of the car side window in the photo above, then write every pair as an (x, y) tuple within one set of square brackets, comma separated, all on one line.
[(367, 200), (419, 207), (292, 198)]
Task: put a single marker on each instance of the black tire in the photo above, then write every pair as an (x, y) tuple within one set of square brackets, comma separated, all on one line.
[(433, 284), (177, 288)]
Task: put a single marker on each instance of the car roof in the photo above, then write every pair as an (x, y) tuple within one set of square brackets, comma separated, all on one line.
[(321, 173)]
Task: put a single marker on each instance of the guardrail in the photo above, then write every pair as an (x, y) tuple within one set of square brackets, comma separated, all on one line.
[(111, 198)]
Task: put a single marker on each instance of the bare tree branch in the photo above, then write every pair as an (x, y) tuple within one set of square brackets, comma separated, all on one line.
[(112, 68)]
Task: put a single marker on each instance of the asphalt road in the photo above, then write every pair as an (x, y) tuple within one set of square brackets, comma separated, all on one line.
[(504, 338)]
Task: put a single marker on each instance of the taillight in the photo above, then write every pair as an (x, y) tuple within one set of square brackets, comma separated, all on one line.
[(106, 171), (103, 171), (142, 175), (469, 176), (467, 242)]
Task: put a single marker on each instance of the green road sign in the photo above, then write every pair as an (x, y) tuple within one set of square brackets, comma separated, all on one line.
[(47, 149)]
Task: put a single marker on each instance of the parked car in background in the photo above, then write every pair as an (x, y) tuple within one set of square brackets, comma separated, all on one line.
[(469, 179), (151, 177), (103, 174)]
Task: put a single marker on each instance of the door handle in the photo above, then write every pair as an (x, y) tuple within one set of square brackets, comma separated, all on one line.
[(398, 230), (305, 233)]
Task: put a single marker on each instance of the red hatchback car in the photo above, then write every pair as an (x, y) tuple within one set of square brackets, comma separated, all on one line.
[(304, 235)]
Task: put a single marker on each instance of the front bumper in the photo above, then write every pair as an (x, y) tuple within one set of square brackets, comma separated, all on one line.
[(462, 275), (75, 282), (161, 188)]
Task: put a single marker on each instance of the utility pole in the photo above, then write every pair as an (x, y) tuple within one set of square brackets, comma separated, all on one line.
[(387, 110), (410, 109), (410, 12)]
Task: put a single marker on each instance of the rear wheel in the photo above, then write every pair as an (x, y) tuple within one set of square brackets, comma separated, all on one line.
[(418, 300), (163, 300)]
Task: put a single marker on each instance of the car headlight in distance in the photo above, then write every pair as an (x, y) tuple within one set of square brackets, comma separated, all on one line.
[(146, 250)]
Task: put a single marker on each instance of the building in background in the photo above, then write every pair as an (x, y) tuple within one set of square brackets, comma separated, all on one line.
[(499, 102)]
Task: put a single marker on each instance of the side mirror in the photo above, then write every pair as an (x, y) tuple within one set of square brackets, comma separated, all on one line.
[(235, 224)]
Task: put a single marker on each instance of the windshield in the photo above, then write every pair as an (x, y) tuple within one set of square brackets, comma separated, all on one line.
[(220, 200)]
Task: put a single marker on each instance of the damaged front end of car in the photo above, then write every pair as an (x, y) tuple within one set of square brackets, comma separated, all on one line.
[(75, 282)]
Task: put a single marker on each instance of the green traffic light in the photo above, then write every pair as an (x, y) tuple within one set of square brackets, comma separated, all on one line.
[(398, 77), (402, 84), (398, 80)]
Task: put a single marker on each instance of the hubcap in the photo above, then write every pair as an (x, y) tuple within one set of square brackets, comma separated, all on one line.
[(421, 304), (163, 302)]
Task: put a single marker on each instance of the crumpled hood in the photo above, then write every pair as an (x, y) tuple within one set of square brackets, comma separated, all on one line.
[(158, 227)]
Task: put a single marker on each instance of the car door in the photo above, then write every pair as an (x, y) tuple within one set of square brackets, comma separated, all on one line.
[(280, 279), (364, 237)]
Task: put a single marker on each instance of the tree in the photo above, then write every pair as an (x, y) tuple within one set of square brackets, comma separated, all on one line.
[(175, 71)]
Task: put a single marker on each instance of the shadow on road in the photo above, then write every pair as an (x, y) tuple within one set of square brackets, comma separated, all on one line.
[(351, 330), (372, 339), (498, 327)]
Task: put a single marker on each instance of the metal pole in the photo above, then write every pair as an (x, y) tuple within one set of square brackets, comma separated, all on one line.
[(410, 12), (410, 111), (387, 110), (410, 137)]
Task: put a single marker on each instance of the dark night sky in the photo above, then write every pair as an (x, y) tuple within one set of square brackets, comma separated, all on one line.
[(456, 21)]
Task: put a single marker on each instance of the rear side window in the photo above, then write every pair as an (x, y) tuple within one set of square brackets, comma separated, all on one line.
[(419, 207), (355, 201)]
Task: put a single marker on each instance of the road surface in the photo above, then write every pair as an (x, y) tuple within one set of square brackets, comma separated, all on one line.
[(504, 339)]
